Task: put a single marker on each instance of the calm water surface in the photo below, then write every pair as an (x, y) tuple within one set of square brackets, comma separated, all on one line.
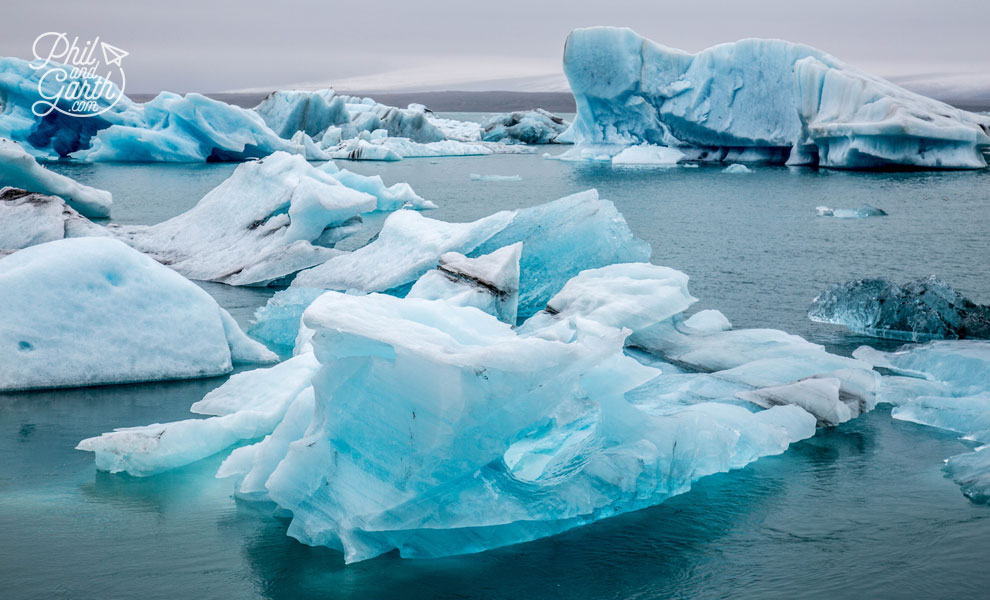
[(859, 511)]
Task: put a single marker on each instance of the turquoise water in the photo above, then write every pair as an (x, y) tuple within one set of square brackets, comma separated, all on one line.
[(859, 511)]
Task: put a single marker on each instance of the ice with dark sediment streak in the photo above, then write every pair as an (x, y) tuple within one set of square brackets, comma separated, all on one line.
[(268, 220), (944, 384), (920, 310), (536, 126), (92, 311), (28, 219), (759, 100)]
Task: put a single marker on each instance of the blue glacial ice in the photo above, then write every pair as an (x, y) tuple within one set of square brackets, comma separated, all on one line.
[(495, 178), (268, 220), (863, 212), (759, 100), (90, 311), (28, 219), (737, 168), (921, 310), (560, 239), (525, 127), (20, 170), (396, 406), (170, 127), (944, 384)]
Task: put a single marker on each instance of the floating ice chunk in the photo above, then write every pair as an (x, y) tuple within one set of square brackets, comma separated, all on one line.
[(708, 321), (647, 154), (248, 406), (462, 131), (820, 397), (358, 149), (19, 169), (737, 168), (920, 310), (759, 100), (91, 311), (862, 212), (277, 323), (311, 112), (489, 282), (27, 219), (395, 148), (190, 128), (560, 239), (477, 177), (269, 219), (449, 445), (394, 197), (972, 473), (951, 392), (525, 127)]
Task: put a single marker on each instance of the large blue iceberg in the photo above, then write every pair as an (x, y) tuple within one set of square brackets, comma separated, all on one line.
[(427, 425), (19, 169), (921, 310), (759, 100)]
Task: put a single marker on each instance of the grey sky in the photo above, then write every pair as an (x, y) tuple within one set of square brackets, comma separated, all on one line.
[(204, 45)]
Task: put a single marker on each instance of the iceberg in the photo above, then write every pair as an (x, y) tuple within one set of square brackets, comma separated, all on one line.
[(20, 170), (268, 220), (737, 168), (525, 127), (863, 212), (489, 283), (560, 239), (384, 148), (173, 128), (28, 219), (921, 310), (277, 323), (478, 177), (648, 154), (944, 384), (92, 311), (759, 101)]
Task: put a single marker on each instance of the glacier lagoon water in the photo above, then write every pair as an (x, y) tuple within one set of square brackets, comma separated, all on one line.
[(859, 511)]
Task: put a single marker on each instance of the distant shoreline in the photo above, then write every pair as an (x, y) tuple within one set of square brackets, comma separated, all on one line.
[(457, 101)]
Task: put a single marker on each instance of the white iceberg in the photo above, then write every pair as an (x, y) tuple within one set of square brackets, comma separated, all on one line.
[(737, 168), (20, 170), (759, 100), (92, 311), (268, 220), (863, 212), (28, 219), (479, 177), (648, 154)]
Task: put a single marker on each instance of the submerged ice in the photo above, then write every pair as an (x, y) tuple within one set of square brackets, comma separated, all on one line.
[(759, 100)]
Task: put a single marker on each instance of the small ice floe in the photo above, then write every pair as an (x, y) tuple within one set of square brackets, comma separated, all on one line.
[(477, 177)]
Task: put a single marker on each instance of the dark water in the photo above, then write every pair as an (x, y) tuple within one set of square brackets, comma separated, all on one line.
[(861, 511)]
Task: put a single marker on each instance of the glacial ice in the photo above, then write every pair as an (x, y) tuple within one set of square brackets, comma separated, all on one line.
[(28, 219), (386, 148), (525, 127), (737, 168), (395, 406), (20, 170), (268, 220), (479, 177), (944, 384), (489, 282), (759, 100), (863, 212), (648, 154), (560, 239), (91, 311), (920, 310)]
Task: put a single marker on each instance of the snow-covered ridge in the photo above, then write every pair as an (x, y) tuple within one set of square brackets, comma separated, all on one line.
[(759, 100)]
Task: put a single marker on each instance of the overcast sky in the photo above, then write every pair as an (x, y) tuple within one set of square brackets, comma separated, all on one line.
[(204, 45)]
